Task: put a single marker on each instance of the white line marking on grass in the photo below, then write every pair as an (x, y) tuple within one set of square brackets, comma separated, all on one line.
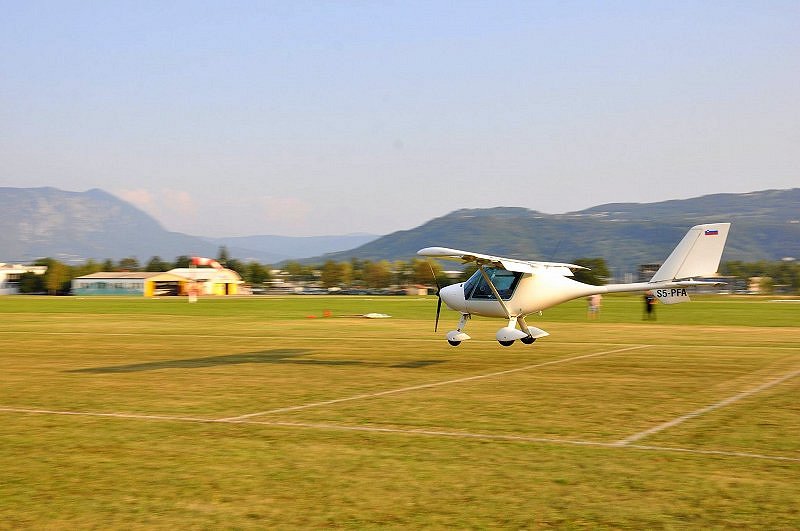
[(137, 416), (702, 411), (398, 431), (698, 451), (430, 385), (520, 438)]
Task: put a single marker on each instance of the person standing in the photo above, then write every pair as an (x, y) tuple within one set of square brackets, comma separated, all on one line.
[(594, 302), (649, 306)]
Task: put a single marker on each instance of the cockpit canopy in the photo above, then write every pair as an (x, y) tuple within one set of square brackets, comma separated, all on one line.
[(504, 281)]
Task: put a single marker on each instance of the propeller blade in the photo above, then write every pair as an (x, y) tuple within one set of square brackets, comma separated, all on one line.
[(435, 280), (439, 297), (438, 310)]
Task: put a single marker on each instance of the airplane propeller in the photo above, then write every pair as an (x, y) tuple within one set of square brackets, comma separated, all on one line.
[(439, 297)]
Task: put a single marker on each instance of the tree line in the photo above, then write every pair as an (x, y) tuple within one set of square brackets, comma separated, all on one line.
[(368, 274), (783, 275)]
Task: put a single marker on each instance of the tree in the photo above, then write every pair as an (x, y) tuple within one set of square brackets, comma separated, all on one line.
[(157, 264), (57, 277), (183, 261), (766, 285), (87, 268), (31, 283), (357, 271), (784, 274), (378, 274), (298, 272), (236, 265), (331, 275), (256, 274), (421, 272), (402, 272), (222, 256), (598, 273), (128, 264), (346, 273)]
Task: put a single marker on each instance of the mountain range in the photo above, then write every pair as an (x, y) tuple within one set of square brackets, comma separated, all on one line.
[(75, 226), (40, 222), (766, 226)]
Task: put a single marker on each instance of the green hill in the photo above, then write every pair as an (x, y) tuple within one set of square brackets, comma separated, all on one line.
[(766, 226)]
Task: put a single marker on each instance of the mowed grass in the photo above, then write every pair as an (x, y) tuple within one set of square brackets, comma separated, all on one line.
[(261, 413)]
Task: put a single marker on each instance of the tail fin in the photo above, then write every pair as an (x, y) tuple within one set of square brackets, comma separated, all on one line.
[(697, 254)]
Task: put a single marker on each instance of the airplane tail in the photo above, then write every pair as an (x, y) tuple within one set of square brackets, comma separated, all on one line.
[(697, 255)]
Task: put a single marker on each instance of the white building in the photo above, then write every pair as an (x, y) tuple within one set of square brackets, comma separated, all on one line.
[(10, 275)]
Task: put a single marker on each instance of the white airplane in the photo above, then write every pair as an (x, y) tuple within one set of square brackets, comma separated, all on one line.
[(513, 289)]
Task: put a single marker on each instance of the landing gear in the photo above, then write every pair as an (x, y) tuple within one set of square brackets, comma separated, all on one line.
[(532, 332), (508, 334), (455, 337), (527, 334)]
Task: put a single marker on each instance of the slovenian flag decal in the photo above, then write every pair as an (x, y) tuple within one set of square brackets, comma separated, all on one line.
[(712, 232)]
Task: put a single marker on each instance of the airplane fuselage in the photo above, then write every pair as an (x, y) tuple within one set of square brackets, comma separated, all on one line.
[(533, 293)]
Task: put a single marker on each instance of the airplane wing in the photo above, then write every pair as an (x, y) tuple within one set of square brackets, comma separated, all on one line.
[(509, 264)]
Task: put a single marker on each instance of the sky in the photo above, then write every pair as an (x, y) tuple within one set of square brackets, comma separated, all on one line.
[(304, 118)]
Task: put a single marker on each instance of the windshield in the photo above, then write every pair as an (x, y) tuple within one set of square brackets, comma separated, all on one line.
[(504, 281)]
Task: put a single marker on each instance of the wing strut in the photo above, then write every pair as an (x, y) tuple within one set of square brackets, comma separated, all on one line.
[(494, 291)]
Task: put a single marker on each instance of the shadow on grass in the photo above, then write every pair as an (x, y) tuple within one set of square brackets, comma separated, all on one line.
[(266, 356), (416, 364)]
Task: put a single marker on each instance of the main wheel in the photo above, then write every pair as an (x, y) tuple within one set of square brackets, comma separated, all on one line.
[(528, 340), (454, 343), (506, 343)]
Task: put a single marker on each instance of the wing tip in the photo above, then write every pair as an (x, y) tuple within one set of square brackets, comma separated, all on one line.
[(439, 251)]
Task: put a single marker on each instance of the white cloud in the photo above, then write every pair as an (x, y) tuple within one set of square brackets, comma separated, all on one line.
[(208, 213), (139, 197), (171, 207), (178, 201)]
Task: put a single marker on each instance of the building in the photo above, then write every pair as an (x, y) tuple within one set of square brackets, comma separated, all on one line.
[(211, 281), (11, 274), (129, 283), (416, 290), (206, 281), (646, 272)]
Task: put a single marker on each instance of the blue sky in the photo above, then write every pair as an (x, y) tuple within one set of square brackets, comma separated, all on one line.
[(312, 118)]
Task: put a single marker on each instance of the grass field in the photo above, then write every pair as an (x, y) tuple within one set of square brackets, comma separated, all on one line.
[(249, 413)]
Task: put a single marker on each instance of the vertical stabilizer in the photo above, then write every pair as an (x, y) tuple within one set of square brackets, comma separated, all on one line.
[(697, 255)]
